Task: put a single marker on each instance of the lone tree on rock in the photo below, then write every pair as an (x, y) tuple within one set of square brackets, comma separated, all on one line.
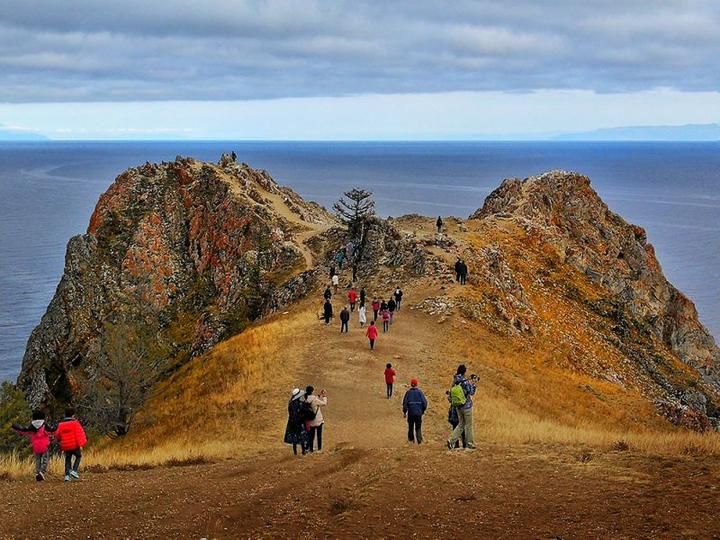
[(354, 208)]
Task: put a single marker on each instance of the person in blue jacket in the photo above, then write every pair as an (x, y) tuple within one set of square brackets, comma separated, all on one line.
[(414, 406)]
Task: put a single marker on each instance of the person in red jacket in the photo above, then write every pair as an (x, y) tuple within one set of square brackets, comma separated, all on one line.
[(389, 379), (71, 436), (352, 298), (39, 434), (372, 334), (376, 308)]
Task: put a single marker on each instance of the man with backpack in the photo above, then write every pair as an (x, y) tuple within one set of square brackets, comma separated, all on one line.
[(461, 394), (414, 406)]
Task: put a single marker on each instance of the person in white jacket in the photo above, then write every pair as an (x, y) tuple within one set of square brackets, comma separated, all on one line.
[(362, 317), (316, 425)]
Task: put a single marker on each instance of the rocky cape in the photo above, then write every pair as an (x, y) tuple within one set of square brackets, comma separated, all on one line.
[(190, 253)]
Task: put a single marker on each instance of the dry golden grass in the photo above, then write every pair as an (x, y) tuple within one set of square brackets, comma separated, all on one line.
[(204, 412)]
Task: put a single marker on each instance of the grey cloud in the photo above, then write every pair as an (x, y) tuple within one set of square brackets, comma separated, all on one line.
[(83, 50)]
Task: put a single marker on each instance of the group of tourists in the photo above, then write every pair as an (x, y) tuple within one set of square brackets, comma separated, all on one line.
[(383, 310), (69, 434), (305, 420)]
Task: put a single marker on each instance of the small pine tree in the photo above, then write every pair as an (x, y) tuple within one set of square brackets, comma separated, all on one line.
[(354, 208)]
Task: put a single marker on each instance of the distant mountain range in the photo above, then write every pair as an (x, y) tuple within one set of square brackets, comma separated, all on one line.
[(14, 135), (687, 132)]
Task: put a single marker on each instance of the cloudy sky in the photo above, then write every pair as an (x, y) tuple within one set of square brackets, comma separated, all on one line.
[(355, 69)]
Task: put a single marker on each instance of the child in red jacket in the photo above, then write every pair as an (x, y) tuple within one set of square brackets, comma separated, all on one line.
[(71, 436), (389, 379), (39, 434), (372, 334)]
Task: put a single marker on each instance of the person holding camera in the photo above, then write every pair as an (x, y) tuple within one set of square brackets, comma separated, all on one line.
[(315, 426), (461, 394)]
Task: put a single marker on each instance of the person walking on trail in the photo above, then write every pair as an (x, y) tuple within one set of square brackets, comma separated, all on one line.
[(391, 305), (458, 267), (372, 334), (414, 406), (332, 271), (453, 420), (375, 307), (340, 258), (389, 379), (463, 272), (383, 305), (335, 282), (39, 434), (398, 294), (362, 315), (352, 298), (295, 432), (327, 294), (385, 314), (71, 436), (439, 224), (316, 424), (363, 295), (344, 319), (327, 312), (461, 394)]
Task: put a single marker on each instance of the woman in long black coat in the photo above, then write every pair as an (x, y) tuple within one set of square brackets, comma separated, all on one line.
[(295, 433)]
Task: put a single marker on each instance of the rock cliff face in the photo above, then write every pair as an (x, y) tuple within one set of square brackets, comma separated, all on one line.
[(188, 251), (569, 218)]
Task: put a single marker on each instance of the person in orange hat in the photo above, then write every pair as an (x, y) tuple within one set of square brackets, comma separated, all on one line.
[(414, 406)]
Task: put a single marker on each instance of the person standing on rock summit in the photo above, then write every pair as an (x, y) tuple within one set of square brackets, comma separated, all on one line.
[(439, 224), (344, 319)]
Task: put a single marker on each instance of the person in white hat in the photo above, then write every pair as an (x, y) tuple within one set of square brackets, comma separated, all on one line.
[(295, 432)]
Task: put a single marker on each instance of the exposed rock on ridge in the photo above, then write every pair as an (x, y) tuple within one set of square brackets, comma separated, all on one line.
[(189, 250), (568, 216)]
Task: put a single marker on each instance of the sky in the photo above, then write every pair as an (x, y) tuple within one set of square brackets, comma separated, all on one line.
[(285, 69)]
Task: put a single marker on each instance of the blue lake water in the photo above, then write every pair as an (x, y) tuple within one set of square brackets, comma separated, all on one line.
[(49, 189)]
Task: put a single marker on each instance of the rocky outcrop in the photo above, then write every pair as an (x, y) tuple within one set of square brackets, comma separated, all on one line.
[(566, 214), (190, 251)]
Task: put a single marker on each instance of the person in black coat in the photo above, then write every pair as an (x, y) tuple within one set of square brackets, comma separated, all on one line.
[(328, 294), (295, 433), (391, 305), (439, 224), (398, 294), (463, 272), (344, 319), (458, 267), (327, 311), (363, 295)]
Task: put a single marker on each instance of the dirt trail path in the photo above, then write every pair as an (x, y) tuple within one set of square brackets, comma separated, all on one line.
[(305, 230), (368, 482)]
